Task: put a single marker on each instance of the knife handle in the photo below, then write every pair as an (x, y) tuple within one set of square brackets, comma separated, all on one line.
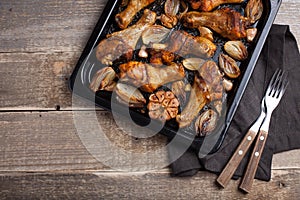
[(236, 158), (248, 178)]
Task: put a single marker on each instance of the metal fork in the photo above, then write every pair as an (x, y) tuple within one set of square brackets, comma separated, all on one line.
[(250, 136), (274, 93)]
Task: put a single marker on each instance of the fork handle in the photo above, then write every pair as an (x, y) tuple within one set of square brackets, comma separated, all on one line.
[(248, 178), (236, 158)]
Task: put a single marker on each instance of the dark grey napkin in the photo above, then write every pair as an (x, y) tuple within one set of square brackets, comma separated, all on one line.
[(280, 51)]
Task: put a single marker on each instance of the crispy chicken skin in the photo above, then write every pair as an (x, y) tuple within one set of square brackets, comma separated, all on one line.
[(184, 44), (148, 77), (208, 5), (124, 18), (226, 22), (122, 43)]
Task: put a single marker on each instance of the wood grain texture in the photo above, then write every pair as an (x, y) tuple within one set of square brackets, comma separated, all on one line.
[(157, 185), (41, 154), (47, 26), (49, 141)]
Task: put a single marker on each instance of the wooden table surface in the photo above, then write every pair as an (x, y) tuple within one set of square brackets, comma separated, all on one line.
[(41, 155)]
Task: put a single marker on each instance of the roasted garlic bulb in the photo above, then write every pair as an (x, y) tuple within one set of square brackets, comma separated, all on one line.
[(163, 105)]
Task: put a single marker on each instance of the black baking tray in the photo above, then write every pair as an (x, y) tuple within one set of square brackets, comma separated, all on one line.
[(86, 68)]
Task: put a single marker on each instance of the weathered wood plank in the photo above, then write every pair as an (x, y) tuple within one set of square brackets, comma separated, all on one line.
[(49, 141), (52, 26), (285, 16), (285, 184), (66, 25), (35, 80), (56, 33)]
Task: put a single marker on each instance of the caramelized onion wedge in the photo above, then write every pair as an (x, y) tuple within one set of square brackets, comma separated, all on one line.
[(130, 95), (206, 33), (251, 33), (103, 80), (227, 84), (236, 49), (206, 122), (154, 34), (229, 66), (193, 64), (254, 10)]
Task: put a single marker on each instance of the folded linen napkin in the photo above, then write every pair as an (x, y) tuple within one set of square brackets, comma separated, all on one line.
[(280, 51)]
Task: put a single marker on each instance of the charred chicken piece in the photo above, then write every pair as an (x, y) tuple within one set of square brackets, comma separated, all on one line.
[(206, 122), (163, 105), (226, 22), (103, 80), (124, 18), (208, 5), (254, 10), (184, 44), (149, 78), (130, 96), (161, 57), (122, 43)]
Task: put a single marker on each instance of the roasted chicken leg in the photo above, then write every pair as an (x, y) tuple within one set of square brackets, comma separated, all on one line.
[(149, 78), (184, 44), (208, 5), (198, 99), (226, 22), (122, 43), (207, 87), (124, 18)]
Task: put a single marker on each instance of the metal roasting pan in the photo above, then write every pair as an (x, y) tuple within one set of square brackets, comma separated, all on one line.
[(88, 65)]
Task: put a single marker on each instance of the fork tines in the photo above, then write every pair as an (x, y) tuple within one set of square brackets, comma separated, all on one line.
[(278, 83)]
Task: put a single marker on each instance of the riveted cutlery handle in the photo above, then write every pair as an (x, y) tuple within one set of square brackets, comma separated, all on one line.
[(248, 178), (236, 158)]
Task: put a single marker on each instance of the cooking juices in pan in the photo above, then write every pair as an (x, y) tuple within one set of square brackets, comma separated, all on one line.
[(180, 63)]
